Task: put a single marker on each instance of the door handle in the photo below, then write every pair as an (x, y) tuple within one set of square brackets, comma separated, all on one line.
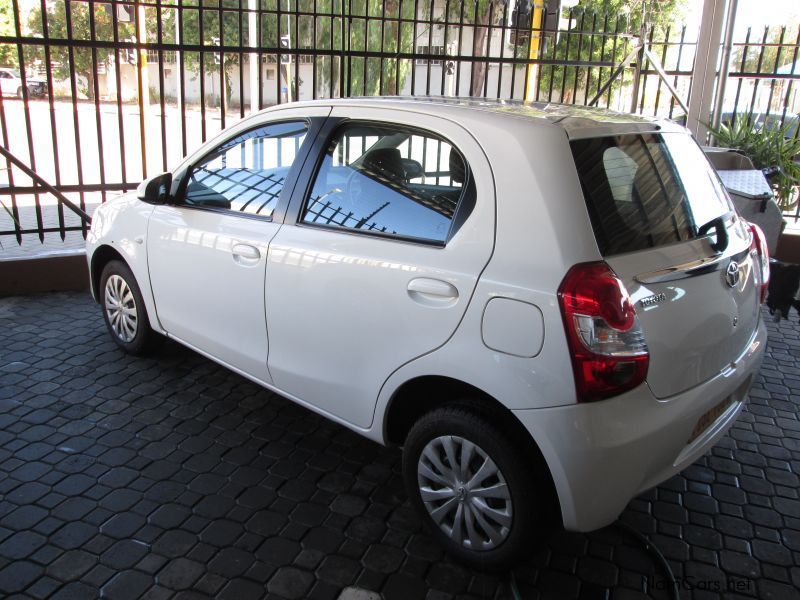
[(432, 292), (245, 251)]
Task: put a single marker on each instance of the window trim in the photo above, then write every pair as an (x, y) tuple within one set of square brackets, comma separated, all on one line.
[(179, 197), (323, 142)]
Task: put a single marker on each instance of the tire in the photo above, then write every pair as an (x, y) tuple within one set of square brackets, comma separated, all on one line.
[(129, 325), (517, 530), (20, 95)]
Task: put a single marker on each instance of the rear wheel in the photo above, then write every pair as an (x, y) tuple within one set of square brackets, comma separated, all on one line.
[(124, 311), (19, 93), (475, 490)]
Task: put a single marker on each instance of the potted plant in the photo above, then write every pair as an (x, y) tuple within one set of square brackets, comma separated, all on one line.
[(771, 147)]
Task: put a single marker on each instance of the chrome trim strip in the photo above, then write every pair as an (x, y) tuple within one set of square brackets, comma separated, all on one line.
[(689, 269)]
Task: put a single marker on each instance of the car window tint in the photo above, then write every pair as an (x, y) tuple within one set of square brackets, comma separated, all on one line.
[(246, 173), (646, 190), (388, 179)]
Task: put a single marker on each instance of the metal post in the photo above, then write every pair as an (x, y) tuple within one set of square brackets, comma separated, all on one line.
[(144, 82), (727, 49), (637, 72), (537, 18), (252, 38), (705, 67), (640, 56), (178, 43), (289, 97)]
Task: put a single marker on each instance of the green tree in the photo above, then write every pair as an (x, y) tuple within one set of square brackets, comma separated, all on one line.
[(486, 13), (657, 15), (8, 53), (478, 16), (208, 23), (357, 29), (57, 23), (749, 59), (346, 26)]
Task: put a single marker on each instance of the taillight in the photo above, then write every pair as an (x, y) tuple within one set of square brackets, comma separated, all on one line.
[(606, 342), (760, 246)]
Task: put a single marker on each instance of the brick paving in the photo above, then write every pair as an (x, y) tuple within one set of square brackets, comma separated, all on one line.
[(171, 477)]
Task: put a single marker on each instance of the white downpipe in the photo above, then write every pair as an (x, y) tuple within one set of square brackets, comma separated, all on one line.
[(725, 66), (705, 68)]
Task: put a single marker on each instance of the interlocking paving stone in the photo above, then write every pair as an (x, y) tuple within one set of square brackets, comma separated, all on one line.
[(171, 477)]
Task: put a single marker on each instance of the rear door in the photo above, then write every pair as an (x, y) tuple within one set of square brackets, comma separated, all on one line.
[(391, 235), (665, 225)]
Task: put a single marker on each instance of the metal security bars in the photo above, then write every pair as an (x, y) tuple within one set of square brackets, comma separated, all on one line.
[(765, 76), (764, 88), (104, 94)]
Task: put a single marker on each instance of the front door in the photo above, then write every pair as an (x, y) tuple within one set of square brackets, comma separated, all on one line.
[(381, 264), (207, 252)]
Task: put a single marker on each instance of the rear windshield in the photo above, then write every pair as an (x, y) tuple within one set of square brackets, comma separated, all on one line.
[(647, 190)]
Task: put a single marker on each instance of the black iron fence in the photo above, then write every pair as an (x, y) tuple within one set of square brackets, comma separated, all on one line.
[(764, 92), (107, 93), (764, 76)]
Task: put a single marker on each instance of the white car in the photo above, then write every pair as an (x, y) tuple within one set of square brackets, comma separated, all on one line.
[(548, 307), (11, 84)]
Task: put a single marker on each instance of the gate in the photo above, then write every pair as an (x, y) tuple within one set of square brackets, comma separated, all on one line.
[(99, 95)]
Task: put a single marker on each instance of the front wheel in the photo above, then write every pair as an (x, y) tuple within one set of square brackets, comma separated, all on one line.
[(474, 489), (124, 311)]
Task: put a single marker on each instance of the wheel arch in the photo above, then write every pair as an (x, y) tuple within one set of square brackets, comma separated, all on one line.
[(100, 258), (421, 395)]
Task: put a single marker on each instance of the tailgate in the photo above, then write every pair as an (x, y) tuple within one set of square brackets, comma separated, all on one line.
[(697, 316), (665, 225)]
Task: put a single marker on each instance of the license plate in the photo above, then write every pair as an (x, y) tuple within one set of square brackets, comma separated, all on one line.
[(705, 421)]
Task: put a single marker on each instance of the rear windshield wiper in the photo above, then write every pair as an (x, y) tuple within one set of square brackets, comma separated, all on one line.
[(721, 231)]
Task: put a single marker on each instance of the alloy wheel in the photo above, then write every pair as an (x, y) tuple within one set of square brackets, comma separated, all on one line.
[(465, 493)]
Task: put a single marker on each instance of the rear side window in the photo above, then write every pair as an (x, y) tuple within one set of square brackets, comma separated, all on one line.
[(647, 190), (389, 180)]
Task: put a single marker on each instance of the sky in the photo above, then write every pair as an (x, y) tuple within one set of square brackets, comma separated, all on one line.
[(758, 13), (753, 13)]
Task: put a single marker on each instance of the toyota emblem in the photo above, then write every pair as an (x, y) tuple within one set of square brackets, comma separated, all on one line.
[(732, 274)]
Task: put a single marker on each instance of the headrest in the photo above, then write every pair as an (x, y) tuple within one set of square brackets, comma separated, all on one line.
[(386, 162), (457, 168)]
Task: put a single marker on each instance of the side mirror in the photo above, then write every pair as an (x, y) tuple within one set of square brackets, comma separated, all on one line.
[(155, 190)]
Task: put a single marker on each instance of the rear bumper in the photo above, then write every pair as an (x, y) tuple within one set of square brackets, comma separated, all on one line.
[(603, 454)]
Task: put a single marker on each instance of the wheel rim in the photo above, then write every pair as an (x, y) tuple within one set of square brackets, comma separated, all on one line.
[(465, 493), (120, 308)]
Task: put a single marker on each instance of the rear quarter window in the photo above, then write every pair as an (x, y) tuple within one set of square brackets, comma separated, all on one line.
[(647, 190)]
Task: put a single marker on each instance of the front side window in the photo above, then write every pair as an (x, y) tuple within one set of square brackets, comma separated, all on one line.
[(647, 190), (246, 173), (390, 180)]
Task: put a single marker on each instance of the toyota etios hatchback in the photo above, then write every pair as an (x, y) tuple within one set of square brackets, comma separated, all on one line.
[(544, 305)]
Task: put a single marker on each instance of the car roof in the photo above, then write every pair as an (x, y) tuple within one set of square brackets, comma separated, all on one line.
[(576, 121)]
